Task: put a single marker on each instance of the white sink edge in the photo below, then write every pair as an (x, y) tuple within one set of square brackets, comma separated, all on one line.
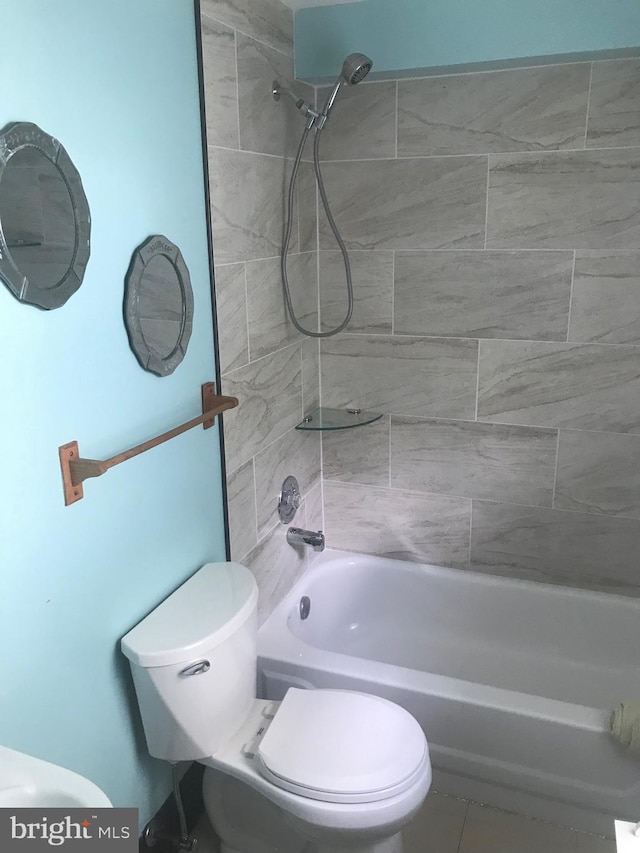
[(43, 783)]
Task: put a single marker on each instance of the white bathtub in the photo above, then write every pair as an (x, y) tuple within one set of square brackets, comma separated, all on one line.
[(512, 681)]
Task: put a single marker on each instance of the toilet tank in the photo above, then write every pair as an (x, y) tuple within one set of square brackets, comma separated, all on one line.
[(193, 661)]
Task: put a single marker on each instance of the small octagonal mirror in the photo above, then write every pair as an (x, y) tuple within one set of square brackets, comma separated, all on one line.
[(45, 224), (158, 306)]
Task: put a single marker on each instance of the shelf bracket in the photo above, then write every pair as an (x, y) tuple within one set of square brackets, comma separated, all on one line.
[(76, 469)]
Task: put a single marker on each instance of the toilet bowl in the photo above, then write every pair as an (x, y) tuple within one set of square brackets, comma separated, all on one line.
[(322, 770), (345, 769)]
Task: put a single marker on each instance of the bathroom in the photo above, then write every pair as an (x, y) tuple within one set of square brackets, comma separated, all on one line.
[(90, 571)]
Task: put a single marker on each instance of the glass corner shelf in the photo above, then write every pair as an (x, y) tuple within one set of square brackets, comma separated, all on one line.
[(338, 419)]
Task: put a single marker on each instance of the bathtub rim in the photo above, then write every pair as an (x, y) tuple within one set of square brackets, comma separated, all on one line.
[(275, 637), (283, 653)]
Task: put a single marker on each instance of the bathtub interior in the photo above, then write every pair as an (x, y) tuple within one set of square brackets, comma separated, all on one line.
[(569, 645), (512, 681)]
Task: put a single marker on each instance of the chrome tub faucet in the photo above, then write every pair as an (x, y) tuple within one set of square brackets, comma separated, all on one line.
[(298, 536)]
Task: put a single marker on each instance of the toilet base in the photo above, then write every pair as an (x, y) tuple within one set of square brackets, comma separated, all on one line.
[(246, 822), (387, 845)]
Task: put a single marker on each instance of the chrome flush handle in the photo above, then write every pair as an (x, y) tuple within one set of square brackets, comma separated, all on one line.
[(196, 668)]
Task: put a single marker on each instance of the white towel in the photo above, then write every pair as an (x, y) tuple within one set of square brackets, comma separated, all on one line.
[(625, 725)]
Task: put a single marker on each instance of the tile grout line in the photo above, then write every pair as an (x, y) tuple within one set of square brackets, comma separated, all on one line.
[(396, 147), (255, 501), (246, 311), (301, 382), (235, 52), (244, 33), (520, 152), (405, 336), (298, 218), (318, 291), (393, 292), (555, 477), (586, 123), (282, 349), (488, 71), (420, 493), (570, 312), (389, 416), (418, 251), (317, 230), (477, 382), (464, 825), (486, 209)]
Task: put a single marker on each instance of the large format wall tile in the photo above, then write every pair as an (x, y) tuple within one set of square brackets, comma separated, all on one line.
[(307, 206), (469, 459), (397, 375), (220, 85), (524, 109), (270, 327), (241, 497), (246, 205), (268, 20), (483, 294), (359, 455), (313, 508), (362, 123), (267, 126), (599, 472), (310, 375), (401, 525), (247, 201), (564, 200), (270, 395), (372, 276), (614, 107), (231, 316), (605, 305), (429, 203), (568, 548), (585, 386), (276, 566), (296, 453)]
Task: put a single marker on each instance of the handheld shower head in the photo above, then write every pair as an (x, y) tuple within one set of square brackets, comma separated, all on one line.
[(354, 69)]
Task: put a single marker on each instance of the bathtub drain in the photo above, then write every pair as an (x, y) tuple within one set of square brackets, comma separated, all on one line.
[(305, 606)]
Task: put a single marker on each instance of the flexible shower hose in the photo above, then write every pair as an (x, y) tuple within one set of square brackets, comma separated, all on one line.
[(333, 226)]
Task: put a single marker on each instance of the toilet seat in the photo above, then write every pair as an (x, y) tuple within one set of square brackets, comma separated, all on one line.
[(341, 746)]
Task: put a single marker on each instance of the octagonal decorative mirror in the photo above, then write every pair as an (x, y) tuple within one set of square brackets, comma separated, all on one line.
[(45, 224), (158, 306)]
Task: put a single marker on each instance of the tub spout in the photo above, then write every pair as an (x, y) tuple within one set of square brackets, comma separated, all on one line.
[(297, 536)]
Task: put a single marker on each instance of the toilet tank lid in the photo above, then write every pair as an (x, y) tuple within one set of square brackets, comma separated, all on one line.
[(207, 609)]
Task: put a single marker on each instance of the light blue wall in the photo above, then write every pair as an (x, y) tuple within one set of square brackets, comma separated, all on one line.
[(402, 35), (117, 84)]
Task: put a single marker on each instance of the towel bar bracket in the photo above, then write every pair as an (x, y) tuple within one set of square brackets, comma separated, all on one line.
[(76, 469)]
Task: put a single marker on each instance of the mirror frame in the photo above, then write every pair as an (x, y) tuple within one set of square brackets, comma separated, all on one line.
[(14, 138), (157, 246)]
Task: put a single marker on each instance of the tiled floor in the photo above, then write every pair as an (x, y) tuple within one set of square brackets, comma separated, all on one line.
[(448, 825)]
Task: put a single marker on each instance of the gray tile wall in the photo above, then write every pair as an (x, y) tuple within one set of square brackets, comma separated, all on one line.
[(494, 225), (264, 361)]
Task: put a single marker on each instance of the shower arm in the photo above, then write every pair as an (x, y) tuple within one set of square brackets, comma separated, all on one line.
[(306, 109)]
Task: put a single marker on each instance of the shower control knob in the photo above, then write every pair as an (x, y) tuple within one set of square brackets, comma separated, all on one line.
[(289, 501)]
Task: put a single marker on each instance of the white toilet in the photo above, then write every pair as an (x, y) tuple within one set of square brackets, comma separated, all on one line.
[(323, 771)]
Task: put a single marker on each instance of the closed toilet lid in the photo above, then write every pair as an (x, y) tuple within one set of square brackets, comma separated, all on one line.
[(342, 746)]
